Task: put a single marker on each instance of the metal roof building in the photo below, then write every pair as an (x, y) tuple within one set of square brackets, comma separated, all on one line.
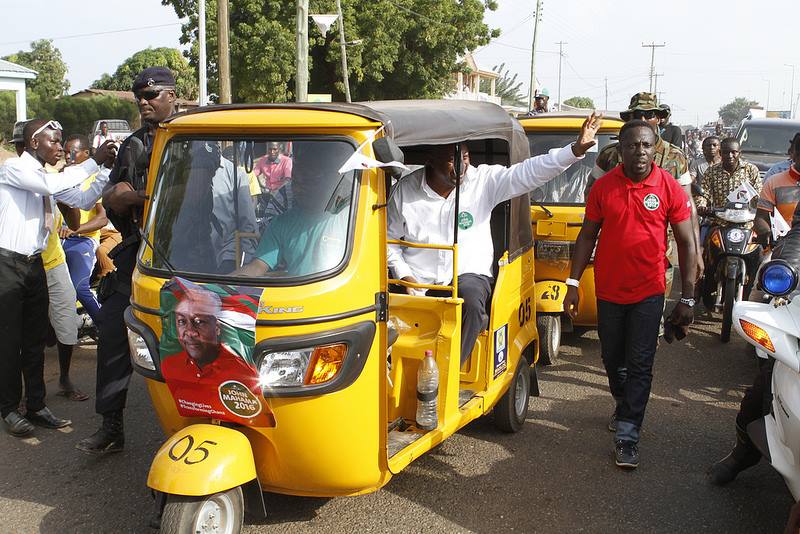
[(12, 78)]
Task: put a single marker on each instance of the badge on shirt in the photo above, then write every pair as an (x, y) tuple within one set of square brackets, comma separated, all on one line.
[(465, 220), (651, 202)]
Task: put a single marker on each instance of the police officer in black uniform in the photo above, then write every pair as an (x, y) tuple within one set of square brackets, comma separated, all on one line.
[(123, 198)]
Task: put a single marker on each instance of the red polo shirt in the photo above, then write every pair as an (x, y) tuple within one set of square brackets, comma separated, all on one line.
[(630, 260)]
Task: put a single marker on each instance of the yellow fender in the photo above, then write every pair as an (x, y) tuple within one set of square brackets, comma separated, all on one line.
[(550, 296), (202, 460)]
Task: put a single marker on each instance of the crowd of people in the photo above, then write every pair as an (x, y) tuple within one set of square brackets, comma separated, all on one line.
[(60, 194)]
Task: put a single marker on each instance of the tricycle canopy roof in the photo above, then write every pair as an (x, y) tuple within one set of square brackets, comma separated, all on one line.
[(418, 122)]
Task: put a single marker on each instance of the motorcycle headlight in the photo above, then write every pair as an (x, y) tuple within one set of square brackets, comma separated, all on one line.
[(140, 352), (778, 278), (736, 216), (300, 367)]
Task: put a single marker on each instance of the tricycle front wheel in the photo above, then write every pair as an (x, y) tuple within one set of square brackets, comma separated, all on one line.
[(221, 513), (549, 326)]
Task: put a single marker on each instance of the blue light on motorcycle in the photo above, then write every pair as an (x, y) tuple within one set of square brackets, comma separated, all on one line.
[(778, 278)]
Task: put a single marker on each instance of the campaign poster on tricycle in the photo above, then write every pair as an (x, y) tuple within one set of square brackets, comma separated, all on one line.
[(206, 347)]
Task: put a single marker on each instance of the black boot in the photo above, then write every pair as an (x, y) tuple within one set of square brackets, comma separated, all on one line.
[(743, 455), (110, 437)]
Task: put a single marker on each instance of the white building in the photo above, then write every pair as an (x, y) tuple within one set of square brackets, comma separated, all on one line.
[(468, 86), (12, 78)]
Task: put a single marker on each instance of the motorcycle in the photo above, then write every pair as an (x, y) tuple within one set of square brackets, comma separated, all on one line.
[(731, 257), (773, 329)]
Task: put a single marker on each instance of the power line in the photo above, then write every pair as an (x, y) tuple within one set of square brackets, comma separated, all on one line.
[(652, 46), (79, 35)]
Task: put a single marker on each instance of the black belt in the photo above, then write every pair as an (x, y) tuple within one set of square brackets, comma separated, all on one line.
[(21, 257)]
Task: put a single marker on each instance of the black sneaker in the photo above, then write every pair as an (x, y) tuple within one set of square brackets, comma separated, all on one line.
[(626, 454), (612, 423)]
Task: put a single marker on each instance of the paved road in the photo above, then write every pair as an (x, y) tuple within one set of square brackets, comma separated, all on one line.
[(556, 475)]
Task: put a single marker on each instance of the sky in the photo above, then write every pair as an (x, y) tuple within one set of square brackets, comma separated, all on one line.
[(715, 50)]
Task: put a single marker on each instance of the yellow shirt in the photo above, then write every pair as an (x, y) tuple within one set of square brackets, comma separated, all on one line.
[(87, 216), (53, 254)]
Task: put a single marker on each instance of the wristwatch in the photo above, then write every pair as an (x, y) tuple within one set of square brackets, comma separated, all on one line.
[(688, 302)]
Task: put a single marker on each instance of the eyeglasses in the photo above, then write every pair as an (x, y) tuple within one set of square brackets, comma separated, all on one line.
[(148, 94), (55, 125), (639, 114)]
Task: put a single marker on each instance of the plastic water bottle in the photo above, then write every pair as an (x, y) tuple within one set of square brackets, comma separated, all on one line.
[(427, 393)]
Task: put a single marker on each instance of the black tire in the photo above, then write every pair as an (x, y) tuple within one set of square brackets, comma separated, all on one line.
[(549, 327), (512, 409), (184, 514), (728, 300), (709, 287)]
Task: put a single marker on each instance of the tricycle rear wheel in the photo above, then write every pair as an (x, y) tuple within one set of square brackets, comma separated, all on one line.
[(221, 513), (512, 409)]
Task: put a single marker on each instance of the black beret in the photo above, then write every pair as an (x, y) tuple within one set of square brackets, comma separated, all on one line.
[(152, 77)]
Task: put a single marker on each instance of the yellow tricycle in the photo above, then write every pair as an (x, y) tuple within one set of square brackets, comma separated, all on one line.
[(274, 354)]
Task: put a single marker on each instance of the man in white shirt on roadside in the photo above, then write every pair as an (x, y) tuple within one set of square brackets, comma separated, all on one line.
[(422, 211), (28, 194)]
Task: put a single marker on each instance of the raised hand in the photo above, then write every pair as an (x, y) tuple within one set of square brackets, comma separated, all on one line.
[(586, 139)]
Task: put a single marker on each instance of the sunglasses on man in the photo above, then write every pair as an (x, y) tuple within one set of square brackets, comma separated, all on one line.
[(148, 94), (647, 115), (54, 125)]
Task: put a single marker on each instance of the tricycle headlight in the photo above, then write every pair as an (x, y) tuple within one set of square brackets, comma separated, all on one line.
[(299, 367), (140, 352), (285, 368)]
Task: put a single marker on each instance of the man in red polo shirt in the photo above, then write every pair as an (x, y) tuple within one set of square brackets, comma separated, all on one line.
[(633, 204)]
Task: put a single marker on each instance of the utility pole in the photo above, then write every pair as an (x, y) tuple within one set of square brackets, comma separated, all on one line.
[(301, 78), (652, 46), (769, 86), (606, 84), (224, 52), (343, 45), (791, 92), (536, 18), (201, 45), (560, 58), (655, 85)]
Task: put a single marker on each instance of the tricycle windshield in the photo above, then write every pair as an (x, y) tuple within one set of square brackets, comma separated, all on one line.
[(257, 208), (567, 187)]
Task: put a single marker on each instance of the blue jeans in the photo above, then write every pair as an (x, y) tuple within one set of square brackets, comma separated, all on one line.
[(80, 252), (628, 341)]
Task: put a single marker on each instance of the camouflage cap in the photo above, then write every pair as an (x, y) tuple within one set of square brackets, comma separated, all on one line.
[(642, 102), (18, 135)]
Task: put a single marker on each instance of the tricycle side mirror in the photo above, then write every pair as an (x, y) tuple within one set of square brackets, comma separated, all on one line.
[(386, 150)]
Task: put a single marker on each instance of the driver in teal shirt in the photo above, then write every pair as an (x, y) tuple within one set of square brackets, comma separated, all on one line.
[(311, 237)]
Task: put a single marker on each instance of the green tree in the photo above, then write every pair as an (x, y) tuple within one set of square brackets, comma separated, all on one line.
[(45, 59), (122, 79), (409, 47), (506, 87), (583, 102), (733, 112)]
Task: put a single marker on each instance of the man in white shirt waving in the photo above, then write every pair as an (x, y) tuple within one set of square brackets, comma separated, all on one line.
[(28, 194), (422, 211)]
